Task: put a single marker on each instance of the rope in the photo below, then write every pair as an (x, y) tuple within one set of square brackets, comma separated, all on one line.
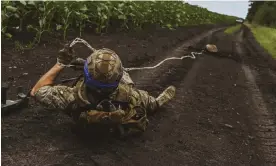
[(192, 56), (79, 40), (64, 65)]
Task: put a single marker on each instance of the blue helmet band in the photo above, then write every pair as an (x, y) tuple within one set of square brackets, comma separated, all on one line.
[(90, 82)]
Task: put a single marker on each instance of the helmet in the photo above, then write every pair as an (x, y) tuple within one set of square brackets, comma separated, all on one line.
[(103, 71)]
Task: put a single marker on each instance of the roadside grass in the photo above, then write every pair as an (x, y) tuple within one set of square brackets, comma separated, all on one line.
[(232, 29), (265, 36)]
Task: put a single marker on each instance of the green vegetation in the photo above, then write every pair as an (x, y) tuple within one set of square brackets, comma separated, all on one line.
[(233, 29), (266, 37), (59, 16), (262, 13), (261, 19)]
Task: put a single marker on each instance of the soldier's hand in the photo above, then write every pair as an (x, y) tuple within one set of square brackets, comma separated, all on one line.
[(66, 55), (117, 116), (95, 116), (78, 64)]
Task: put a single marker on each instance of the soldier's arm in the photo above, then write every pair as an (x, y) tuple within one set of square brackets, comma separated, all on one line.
[(57, 97), (48, 78), (53, 97)]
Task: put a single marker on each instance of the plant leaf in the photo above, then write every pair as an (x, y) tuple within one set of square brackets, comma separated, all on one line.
[(41, 22), (84, 8), (104, 16), (31, 2), (30, 27), (122, 17), (77, 13), (169, 25), (41, 9), (58, 27), (11, 8), (16, 15), (4, 29), (23, 2), (8, 35), (121, 5)]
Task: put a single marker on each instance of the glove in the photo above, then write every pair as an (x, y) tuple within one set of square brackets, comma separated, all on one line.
[(78, 64), (66, 56), (94, 116), (117, 116)]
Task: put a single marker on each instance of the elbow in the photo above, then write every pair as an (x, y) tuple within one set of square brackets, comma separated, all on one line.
[(33, 91)]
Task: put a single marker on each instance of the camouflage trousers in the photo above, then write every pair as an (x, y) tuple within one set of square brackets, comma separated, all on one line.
[(145, 100), (146, 104), (136, 119)]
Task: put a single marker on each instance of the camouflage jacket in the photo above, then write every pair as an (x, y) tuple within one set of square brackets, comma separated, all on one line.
[(74, 100)]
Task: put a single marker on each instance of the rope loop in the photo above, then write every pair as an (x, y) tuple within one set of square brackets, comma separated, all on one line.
[(79, 40), (192, 56)]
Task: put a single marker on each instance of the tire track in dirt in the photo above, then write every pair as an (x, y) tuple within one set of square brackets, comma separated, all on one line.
[(265, 123), (187, 130), (209, 104), (264, 120), (144, 77)]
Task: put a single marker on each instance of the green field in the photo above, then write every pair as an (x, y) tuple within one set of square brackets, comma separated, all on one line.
[(233, 29), (50, 17), (266, 37)]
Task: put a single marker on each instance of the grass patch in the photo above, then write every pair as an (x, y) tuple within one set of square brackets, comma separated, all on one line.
[(233, 29), (266, 37)]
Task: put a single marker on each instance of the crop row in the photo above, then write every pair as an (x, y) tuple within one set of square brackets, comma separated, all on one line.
[(60, 16)]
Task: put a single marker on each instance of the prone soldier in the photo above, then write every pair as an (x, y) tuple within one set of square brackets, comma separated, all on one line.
[(105, 94)]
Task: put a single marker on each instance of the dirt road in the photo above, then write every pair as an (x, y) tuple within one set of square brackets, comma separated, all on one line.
[(223, 112)]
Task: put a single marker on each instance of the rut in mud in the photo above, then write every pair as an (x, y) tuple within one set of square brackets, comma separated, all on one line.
[(261, 81), (211, 121)]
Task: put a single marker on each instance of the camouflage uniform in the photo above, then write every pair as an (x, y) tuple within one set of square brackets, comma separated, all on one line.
[(134, 103)]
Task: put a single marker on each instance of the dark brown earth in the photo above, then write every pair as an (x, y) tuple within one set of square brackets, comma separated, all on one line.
[(214, 119)]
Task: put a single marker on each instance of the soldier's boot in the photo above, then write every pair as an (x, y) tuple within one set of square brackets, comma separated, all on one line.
[(166, 96)]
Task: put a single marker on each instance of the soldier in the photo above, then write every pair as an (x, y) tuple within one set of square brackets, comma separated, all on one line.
[(104, 95)]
